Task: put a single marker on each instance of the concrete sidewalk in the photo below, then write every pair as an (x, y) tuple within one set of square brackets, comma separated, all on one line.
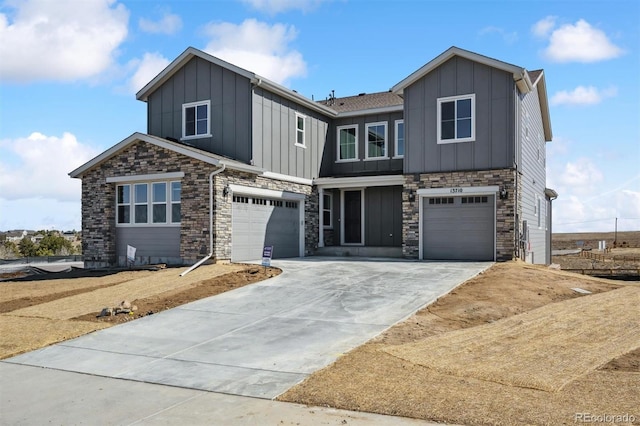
[(262, 339)]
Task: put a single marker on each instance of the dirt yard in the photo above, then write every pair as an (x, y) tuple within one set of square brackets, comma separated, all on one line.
[(370, 379), (39, 313)]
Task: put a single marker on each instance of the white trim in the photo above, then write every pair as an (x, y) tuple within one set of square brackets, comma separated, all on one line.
[(287, 178), (460, 191), (518, 72), (371, 111), (140, 178), (304, 130), (344, 160), (268, 193), (195, 105), (360, 181), (386, 140), (454, 99), (395, 138), (342, 191)]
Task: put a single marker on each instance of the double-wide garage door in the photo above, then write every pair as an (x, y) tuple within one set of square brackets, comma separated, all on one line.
[(458, 228), (258, 222)]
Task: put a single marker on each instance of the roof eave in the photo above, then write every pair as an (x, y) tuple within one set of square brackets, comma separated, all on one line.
[(380, 110), (179, 62), (541, 86), (518, 72), (291, 95)]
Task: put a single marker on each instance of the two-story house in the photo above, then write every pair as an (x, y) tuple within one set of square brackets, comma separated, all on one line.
[(448, 164)]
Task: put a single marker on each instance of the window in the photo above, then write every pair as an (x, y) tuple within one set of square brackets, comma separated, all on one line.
[(441, 200), (124, 203), (195, 120), (456, 119), (327, 204), (399, 139), (348, 143), (141, 208), (154, 203), (300, 124), (539, 211), (376, 140)]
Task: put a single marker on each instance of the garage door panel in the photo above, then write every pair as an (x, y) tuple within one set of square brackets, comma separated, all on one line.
[(259, 222), (453, 230)]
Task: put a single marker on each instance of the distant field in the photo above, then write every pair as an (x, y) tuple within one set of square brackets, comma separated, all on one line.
[(590, 239)]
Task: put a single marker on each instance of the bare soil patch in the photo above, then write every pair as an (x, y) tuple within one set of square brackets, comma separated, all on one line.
[(42, 312), (370, 379)]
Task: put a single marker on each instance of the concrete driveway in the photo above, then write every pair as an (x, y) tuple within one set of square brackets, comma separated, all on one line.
[(264, 338)]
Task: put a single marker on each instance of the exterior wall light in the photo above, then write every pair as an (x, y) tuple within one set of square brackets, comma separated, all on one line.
[(412, 196), (503, 194)]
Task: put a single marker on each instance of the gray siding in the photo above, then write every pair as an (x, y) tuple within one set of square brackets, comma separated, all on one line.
[(383, 216), (533, 175), (362, 167), (230, 96), (494, 144), (274, 136), (155, 242)]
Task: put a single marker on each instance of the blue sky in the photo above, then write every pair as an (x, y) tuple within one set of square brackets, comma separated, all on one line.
[(69, 71)]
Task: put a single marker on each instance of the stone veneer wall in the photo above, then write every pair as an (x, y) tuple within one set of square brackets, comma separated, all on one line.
[(99, 214), (223, 206), (505, 209)]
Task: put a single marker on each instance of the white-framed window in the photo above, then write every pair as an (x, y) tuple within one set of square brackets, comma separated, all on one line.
[(399, 139), (327, 210), (347, 140), (300, 130), (456, 119), (376, 140), (196, 120), (150, 203), (539, 210)]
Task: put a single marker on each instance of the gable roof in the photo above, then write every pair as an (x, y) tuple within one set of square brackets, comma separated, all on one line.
[(365, 101), (189, 151), (519, 74), (525, 80), (258, 81)]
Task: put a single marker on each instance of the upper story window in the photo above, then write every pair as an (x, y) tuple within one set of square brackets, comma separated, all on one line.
[(399, 153), (300, 130), (152, 203), (376, 140), (456, 119), (196, 120), (348, 143)]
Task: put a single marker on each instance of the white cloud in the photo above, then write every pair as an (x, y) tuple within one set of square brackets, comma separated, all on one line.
[(169, 24), (147, 68), (582, 176), (582, 95), (507, 37), (278, 6), (61, 40), (579, 42), (258, 47), (543, 27), (37, 167)]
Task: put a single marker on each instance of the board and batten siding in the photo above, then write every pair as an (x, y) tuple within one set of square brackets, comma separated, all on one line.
[(494, 143), (230, 96), (390, 165), (274, 136), (532, 172)]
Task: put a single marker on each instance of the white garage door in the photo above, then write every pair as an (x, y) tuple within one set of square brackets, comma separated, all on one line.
[(458, 228), (259, 222)]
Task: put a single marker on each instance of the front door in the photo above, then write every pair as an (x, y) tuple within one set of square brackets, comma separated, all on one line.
[(352, 219)]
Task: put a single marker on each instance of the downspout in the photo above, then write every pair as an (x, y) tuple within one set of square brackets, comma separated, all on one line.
[(207, 257)]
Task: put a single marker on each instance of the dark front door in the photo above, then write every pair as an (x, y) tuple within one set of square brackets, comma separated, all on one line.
[(353, 217)]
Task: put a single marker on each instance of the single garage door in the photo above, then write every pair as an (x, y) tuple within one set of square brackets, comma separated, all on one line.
[(458, 228), (258, 222)]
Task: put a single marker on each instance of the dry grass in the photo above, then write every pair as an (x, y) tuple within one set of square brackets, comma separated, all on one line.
[(544, 349)]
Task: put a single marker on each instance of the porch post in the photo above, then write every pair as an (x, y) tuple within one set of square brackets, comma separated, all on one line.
[(321, 217)]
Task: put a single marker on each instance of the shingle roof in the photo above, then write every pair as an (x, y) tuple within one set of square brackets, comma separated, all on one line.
[(363, 101)]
